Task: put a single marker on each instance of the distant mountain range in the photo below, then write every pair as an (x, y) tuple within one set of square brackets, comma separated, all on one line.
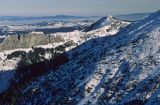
[(11, 18), (130, 17)]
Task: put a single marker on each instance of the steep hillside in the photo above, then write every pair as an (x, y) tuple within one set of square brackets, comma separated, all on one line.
[(18, 51), (120, 69)]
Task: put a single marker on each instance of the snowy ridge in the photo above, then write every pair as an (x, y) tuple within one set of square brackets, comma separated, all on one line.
[(106, 22), (108, 70)]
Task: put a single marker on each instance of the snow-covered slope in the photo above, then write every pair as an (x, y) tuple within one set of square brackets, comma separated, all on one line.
[(104, 27), (76, 37), (105, 71)]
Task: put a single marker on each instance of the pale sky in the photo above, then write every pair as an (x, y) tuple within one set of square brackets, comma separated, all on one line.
[(76, 7)]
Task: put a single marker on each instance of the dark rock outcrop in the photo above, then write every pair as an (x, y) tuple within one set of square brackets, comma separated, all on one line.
[(26, 41)]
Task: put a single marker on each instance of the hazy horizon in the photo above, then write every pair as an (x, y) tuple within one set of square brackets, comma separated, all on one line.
[(76, 7)]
